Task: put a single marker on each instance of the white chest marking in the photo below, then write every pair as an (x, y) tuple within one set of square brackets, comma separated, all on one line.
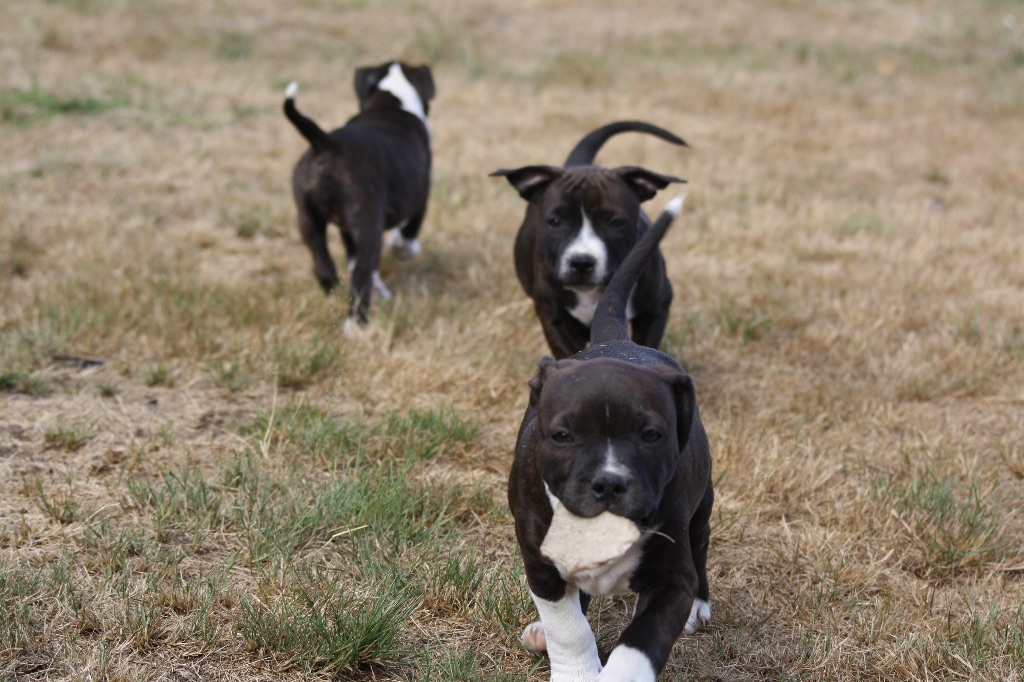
[(398, 85), (610, 578), (586, 304)]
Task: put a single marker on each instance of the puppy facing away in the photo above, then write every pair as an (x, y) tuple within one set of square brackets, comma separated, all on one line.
[(581, 221), (611, 492), (369, 176)]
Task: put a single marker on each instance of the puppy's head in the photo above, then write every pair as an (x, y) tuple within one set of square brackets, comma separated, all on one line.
[(586, 216), (610, 433), (412, 86)]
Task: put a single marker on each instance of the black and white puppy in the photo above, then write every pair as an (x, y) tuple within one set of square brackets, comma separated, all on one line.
[(615, 428), (369, 176), (580, 223)]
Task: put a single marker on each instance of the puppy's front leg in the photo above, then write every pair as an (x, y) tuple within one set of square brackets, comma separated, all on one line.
[(314, 233), (645, 644), (626, 664), (571, 646), (649, 329), (565, 334)]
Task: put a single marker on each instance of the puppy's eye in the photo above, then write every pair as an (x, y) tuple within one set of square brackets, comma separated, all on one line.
[(554, 221), (617, 223), (561, 437), (650, 436)]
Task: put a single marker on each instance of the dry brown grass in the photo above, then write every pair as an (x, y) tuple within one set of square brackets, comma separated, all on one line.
[(850, 302)]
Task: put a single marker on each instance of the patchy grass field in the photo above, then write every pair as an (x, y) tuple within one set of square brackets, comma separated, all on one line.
[(236, 492)]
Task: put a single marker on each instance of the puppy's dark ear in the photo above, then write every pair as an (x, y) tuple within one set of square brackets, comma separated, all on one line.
[(421, 79), (530, 181), (644, 182), (685, 397), (366, 80), (537, 382)]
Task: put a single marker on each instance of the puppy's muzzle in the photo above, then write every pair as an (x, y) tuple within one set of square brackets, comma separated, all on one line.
[(608, 487), (582, 266)]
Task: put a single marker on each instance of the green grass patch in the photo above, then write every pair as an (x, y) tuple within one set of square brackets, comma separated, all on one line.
[(343, 537), (742, 324), (325, 625), (20, 381), (235, 45), (977, 633), (956, 526), (420, 435), (157, 375), (305, 431), (466, 665), (27, 106), (20, 253), (20, 591), (338, 534), (862, 222), (298, 367), (280, 517), (69, 436)]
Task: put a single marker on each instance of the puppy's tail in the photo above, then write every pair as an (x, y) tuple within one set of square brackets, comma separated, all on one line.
[(610, 323), (586, 149), (309, 129)]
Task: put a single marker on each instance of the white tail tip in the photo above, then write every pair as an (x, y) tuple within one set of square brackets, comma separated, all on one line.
[(675, 207), (292, 90)]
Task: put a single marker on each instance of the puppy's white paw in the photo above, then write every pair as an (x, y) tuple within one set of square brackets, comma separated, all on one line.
[(378, 282), (352, 329), (626, 664), (403, 248), (700, 615), (534, 639), (381, 288)]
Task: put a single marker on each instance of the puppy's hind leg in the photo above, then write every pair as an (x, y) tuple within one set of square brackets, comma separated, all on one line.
[(364, 272), (378, 282), (700, 535), (314, 233), (350, 249)]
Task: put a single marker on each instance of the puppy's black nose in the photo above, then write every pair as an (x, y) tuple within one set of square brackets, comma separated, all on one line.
[(582, 264), (608, 487)]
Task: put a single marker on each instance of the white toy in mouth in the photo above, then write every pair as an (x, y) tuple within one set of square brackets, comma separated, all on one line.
[(576, 544)]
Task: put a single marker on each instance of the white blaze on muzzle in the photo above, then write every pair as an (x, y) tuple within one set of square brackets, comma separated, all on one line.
[(586, 244)]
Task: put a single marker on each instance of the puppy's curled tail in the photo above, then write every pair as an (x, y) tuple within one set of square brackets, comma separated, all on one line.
[(610, 323), (309, 129), (586, 149)]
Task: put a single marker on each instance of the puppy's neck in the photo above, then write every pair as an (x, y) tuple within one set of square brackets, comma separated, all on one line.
[(408, 97)]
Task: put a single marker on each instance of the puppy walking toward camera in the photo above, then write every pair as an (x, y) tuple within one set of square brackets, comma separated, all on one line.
[(581, 221), (369, 176), (611, 492)]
